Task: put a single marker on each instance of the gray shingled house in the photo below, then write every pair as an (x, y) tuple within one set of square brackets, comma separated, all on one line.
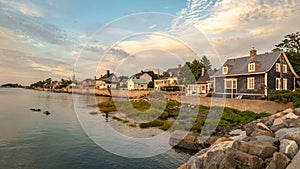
[(255, 76)]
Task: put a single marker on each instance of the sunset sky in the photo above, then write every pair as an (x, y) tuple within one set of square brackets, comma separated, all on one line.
[(41, 39)]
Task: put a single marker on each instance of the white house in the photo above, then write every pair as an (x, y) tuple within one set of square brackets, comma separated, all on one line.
[(142, 75), (108, 81), (134, 84)]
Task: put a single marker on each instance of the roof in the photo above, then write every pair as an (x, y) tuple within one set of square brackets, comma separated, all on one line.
[(107, 79), (139, 75), (240, 65), (173, 71), (123, 78), (206, 77), (140, 81)]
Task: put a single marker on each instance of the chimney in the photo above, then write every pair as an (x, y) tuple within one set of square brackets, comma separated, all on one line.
[(179, 66), (252, 52), (202, 71), (107, 73), (95, 77)]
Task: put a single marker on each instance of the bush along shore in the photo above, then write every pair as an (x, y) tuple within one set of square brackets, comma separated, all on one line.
[(172, 115), (270, 142)]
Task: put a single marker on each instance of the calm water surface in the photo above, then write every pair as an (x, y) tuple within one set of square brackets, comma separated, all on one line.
[(33, 140)]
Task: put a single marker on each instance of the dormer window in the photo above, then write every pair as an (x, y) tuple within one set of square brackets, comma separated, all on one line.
[(251, 67), (225, 69)]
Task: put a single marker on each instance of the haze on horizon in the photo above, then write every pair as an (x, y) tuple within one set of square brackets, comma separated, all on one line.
[(41, 39)]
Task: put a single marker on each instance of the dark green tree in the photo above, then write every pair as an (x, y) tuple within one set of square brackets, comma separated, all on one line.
[(291, 45), (206, 62), (190, 72)]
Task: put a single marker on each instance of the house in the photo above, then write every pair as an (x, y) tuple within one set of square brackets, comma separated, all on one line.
[(255, 76), (174, 72), (123, 81), (142, 75), (87, 83), (107, 81), (54, 84), (134, 84), (166, 81), (205, 83)]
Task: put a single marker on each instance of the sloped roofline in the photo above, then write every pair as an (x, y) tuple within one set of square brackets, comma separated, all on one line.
[(290, 65)]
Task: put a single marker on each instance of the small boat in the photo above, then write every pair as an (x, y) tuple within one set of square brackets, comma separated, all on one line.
[(33, 109), (46, 113)]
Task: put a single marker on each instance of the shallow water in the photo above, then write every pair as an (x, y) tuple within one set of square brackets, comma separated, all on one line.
[(33, 140)]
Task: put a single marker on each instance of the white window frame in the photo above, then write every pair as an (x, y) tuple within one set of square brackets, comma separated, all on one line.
[(278, 87), (277, 67), (251, 67), (285, 83), (232, 85), (225, 69), (284, 68), (250, 86)]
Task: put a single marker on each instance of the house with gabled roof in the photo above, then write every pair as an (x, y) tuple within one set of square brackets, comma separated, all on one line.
[(107, 81), (255, 76), (174, 72), (142, 75), (137, 84), (205, 82)]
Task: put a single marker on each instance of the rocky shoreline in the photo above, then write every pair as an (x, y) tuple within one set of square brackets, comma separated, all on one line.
[(271, 142)]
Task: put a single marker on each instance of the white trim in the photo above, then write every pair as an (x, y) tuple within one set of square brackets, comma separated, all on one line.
[(241, 74), (249, 87), (284, 68), (232, 80), (225, 70), (278, 68), (250, 94), (285, 84), (266, 84), (277, 87), (251, 65), (290, 66)]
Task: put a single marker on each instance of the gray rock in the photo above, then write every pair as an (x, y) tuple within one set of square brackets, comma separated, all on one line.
[(228, 161), (293, 123), (236, 132), (268, 139), (297, 111), (278, 121), (295, 162), (279, 161), (288, 147), (186, 140), (279, 126), (244, 160), (289, 133), (261, 149), (291, 115), (250, 127)]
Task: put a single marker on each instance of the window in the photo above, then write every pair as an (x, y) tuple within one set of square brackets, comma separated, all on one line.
[(250, 83), (277, 67), (251, 67), (278, 84), (284, 84), (225, 69), (230, 83), (284, 68)]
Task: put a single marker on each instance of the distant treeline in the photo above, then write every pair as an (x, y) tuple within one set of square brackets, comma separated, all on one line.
[(12, 85)]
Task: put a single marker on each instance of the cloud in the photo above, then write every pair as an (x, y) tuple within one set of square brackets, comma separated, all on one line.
[(25, 7)]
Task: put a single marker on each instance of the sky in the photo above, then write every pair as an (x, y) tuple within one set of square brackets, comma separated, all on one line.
[(51, 38)]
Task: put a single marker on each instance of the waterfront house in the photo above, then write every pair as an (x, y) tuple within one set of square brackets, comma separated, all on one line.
[(142, 75), (87, 83), (205, 83), (255, 76), (123, 81), (137, 84), (165, 81), (174, 72), (107, 81)]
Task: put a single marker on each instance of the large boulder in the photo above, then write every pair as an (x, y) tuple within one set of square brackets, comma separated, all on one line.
[(289, 133), (295, 162), (268, 139), (244, 160), (261, 149), (297, 111), (279, 126), (279, 161), (186, 140), (288, 147), (260, 132)]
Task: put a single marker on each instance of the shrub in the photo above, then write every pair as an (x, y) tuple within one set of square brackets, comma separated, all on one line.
[(285, 96), (170, 88)]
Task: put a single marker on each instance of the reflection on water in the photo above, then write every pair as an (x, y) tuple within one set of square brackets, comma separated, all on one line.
[(33, 140)]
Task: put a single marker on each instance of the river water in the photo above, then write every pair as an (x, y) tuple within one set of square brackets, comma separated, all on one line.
[(33, 140)]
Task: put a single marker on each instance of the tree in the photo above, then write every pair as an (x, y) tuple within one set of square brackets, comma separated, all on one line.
[(206, 62), (190, 72), (291, 45), (65, 83)]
